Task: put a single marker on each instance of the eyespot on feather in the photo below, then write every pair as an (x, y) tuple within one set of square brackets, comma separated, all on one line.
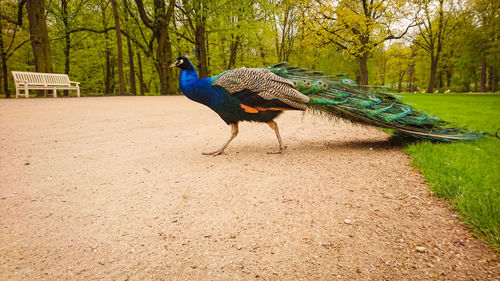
[(322, 84)]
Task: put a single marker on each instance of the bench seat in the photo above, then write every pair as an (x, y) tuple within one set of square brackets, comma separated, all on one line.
[(43, 81)]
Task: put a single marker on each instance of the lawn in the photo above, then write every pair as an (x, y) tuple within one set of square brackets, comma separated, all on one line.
[(468, 174)]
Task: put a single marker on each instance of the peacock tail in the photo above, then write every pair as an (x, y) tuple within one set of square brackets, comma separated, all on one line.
[(336, 98)]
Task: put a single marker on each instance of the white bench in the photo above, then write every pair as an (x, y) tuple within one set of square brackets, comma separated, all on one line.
[(43, 81)]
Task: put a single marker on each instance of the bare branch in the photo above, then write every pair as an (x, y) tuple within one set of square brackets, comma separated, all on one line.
[(17, 47), (144, 17), (91, 30)]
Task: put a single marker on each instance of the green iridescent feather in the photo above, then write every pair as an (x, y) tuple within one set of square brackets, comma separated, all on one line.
[(369, 107)]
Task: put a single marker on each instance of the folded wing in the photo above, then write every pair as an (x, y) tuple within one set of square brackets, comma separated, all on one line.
[(261, 90)]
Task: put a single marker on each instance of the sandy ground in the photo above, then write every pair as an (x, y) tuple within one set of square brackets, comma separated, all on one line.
[(116, 188)]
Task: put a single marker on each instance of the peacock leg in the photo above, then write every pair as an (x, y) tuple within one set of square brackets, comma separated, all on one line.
[(274, 126), (234, 133)]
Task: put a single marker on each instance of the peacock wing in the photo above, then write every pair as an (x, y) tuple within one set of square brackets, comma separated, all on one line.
[(260, 88)]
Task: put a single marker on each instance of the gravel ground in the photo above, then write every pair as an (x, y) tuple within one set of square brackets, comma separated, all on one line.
[(116, 188)]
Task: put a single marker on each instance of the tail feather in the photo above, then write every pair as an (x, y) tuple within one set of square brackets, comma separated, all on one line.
[(364, 106)]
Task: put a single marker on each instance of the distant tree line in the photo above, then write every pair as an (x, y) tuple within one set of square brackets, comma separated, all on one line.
[(126, 46)]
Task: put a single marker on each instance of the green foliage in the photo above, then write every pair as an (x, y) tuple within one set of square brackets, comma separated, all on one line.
[(465, 173), (331, 37), (399, 59)]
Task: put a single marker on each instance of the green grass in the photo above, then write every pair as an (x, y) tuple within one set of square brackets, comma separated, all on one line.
[(466, 173)]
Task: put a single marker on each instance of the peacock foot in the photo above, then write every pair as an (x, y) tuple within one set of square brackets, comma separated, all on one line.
[(214, 153), (280, 151)]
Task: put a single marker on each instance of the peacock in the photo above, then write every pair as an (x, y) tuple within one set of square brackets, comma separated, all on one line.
[(261, 94)]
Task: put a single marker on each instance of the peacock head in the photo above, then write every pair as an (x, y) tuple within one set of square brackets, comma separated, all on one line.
[(183, 63)]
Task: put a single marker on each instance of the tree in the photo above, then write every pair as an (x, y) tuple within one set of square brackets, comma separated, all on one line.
[(131, 76), (121, 78), (66, 19), (485, 13), (357, 27), (399, 62), (286, 28), (141, 76), (39, 35), (194, 15), (432, 32), (162, 17), (109, 73), (7, 49)]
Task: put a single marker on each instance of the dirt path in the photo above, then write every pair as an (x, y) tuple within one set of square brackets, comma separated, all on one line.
[(116, 188)]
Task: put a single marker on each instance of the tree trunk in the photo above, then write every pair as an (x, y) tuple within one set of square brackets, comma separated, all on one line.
[(67, 38), (119, 47), (163, 57), (131, 78), (482, 85), (207, 51), (432, 80), (200, 42), (159, 26), (107, 76), (400, 81), (39, 35), (411, 73), (67, 48), (3, 55), (233, 49), (4, 78), (107, 55), (492, 79), (363, 68), (141, 78), (112, 81), (262, 53), (384, 70), (448, 78), (440, 79), (66, 53)]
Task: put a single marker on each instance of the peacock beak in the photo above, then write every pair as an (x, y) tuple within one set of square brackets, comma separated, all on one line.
[(173, 65)]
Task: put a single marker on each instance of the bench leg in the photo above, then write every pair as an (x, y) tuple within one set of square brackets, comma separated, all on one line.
[(17, 92), (55, 93), (26, 92), (78, 92)]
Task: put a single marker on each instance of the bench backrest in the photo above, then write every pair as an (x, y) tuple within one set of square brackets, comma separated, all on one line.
[(37, 78)]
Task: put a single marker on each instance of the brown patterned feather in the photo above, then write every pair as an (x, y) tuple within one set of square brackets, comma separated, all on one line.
[(264, 83)]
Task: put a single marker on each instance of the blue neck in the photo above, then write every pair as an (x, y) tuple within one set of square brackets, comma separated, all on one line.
[(200, 90), (187, 79), (187, 83)]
